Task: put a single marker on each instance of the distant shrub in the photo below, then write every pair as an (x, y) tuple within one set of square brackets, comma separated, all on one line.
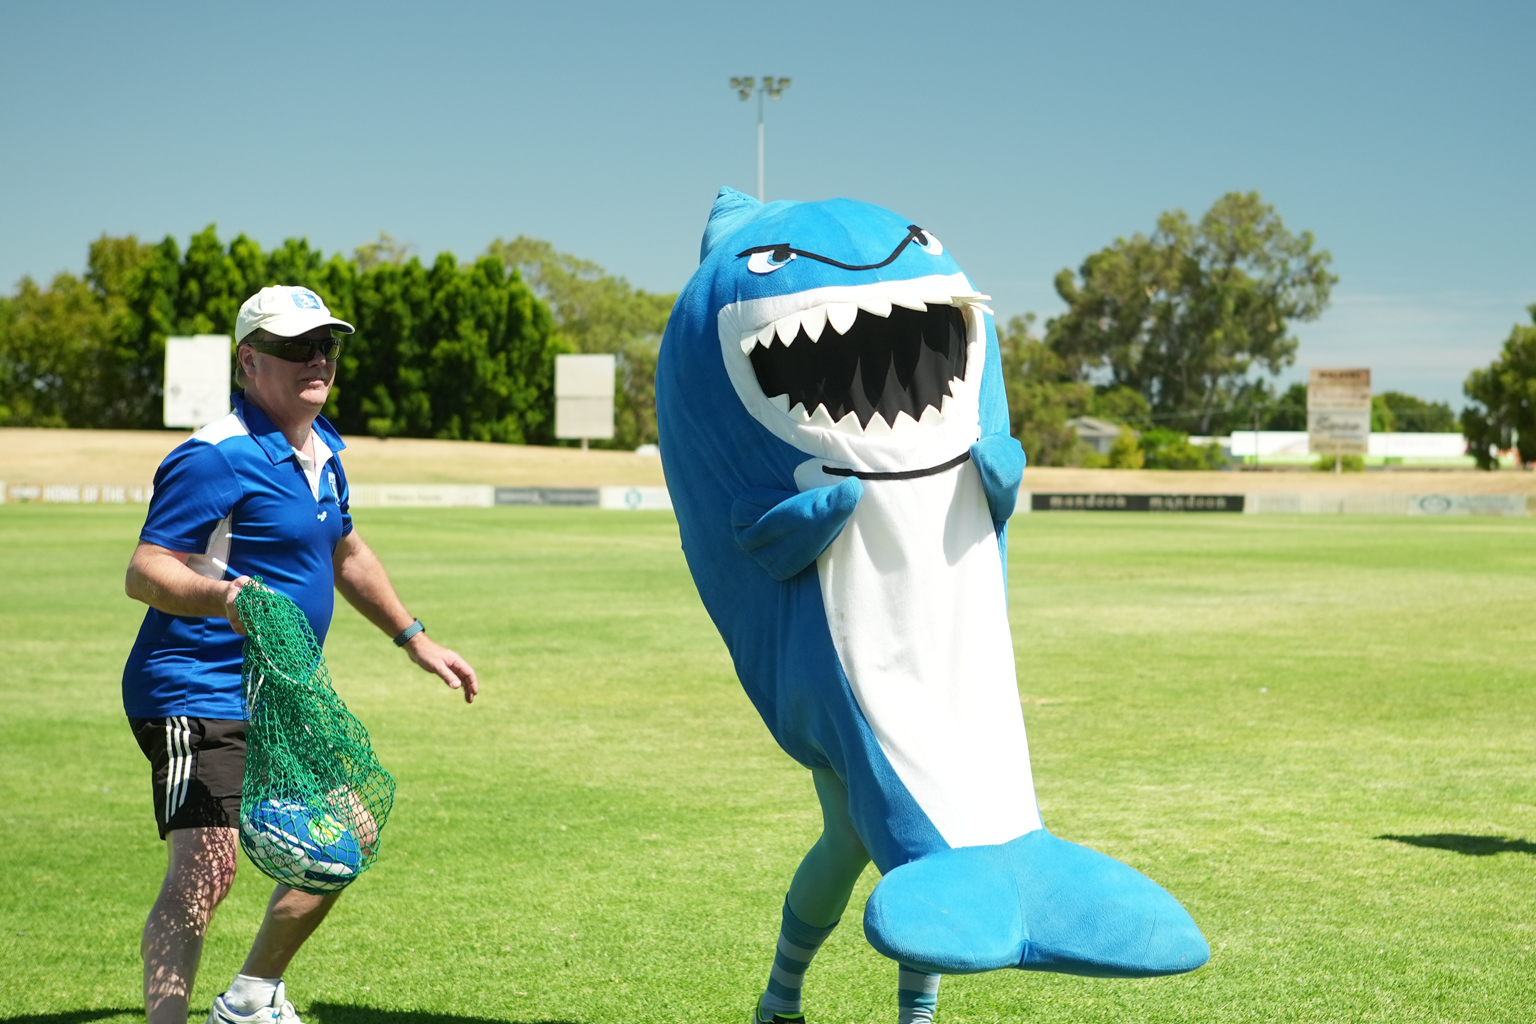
[(1125, 452), (1162, 448)]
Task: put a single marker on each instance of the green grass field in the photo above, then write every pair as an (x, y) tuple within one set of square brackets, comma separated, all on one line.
[(1315, 732)]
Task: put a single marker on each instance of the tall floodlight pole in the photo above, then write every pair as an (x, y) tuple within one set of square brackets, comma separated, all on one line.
[(773, 88)]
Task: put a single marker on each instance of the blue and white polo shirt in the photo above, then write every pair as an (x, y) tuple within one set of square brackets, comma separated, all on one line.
[(242, 501)]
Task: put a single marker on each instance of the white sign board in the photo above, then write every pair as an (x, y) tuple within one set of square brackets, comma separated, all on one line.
[(584, 396), (196, 380), (1339, 412), (1467, 505), (635, 499)]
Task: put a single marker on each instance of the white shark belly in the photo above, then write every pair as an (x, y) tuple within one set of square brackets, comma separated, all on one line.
[(914, 594)]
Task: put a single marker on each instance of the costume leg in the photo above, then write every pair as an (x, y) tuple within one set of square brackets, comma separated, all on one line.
[(917, 994), (816, 898)]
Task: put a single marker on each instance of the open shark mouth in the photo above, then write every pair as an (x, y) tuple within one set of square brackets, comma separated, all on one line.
[(866, 361), (876, 365)]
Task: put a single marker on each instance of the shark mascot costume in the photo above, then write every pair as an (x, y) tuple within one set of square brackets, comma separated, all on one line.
[(835, 439)]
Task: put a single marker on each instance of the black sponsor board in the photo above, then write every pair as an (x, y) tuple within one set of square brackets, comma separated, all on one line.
[(1135, 502)]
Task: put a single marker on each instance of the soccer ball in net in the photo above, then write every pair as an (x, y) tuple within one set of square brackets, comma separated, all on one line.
[(301, 847)]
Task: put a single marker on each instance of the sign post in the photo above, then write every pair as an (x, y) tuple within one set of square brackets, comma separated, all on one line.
[(196, 380), (584, 396), (1339, 413)]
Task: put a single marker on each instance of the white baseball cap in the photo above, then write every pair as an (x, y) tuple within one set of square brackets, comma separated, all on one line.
[(286, 311)]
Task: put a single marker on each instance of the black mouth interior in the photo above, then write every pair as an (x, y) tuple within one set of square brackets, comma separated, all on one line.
[(883, 365)]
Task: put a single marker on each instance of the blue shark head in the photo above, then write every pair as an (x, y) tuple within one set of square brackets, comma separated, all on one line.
[(838, 328)]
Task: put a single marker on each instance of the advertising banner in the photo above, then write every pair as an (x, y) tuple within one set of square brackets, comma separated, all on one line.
[(1136, 502), (1339, 412)]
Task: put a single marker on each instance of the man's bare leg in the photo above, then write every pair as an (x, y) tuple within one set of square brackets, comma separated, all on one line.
[(292, 916), (198, 874)]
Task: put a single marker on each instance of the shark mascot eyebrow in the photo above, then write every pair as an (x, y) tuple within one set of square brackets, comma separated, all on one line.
[(835, 439)]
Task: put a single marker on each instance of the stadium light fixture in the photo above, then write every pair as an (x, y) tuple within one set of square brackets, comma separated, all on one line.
[(772, 88)]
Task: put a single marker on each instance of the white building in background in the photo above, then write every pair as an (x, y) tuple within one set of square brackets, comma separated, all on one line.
[(1418, 446), (1268, 444), (1282, 446), (1096, 433)]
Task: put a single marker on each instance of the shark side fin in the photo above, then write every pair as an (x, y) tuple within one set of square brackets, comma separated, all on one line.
[(785, 532), (999, 459)]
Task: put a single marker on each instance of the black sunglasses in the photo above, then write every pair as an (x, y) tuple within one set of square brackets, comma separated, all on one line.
[(299, 350)]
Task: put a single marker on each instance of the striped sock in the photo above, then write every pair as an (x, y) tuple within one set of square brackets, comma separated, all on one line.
[(798, 943), (917, 994)]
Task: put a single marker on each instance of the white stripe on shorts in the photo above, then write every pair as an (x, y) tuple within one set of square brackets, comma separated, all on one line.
[(178, 743)]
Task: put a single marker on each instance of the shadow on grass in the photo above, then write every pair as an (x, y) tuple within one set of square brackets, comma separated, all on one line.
[(1470, 846), (74, 1016), (343, 1013)]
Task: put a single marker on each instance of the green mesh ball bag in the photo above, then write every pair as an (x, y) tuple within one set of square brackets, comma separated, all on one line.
[(315, 798)]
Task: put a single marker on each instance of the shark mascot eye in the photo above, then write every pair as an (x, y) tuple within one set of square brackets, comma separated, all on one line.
[(766, 261), (836, 446)]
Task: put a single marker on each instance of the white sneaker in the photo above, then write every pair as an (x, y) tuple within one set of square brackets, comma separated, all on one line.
[(280, 1012)]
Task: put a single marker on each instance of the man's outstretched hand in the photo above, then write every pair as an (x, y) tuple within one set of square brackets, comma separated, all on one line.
[(452, 669)]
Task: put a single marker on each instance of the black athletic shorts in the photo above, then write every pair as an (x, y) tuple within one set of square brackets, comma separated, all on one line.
[(197, 765)]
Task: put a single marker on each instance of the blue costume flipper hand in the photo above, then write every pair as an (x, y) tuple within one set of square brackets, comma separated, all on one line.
[(1037, 903), (785, 532), (1000, 461)]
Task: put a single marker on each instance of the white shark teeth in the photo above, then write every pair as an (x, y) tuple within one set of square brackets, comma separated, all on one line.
[(762, 337), (841, 315), (814, 321), (840, 306), (876, 304), (849, 424), (877, 427)]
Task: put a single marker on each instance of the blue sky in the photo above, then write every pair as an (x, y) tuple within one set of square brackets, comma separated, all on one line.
[(1026, 136)]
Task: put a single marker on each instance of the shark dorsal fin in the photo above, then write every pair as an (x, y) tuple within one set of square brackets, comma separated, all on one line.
[(732, 210)]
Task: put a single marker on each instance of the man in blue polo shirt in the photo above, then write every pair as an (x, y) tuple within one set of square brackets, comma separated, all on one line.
[(260, 492)]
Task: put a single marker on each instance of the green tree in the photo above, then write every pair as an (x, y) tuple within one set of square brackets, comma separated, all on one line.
[(381, 250), (596, 312), (1502, 414), (1043, 393), (1185, 315), (1286, 411), (1410, 415), (453, 351), (61, 361), (1122, 405)]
